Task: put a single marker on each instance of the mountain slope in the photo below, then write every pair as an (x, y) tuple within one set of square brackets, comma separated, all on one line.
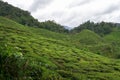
[(101, 28), (89, 41), (25, 18), (16, 14), (87, 37), (28, 53), (114, 40)]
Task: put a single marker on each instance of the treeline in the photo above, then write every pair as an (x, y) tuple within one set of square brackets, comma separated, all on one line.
[(25, 18), (53, 26), (16, 14), (101, 28)]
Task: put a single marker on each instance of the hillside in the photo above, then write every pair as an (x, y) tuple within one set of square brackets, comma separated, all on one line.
[(36, 54), (99, 38), (90, 41), (33, 50), (114, 40), (25, 18), (102, 28), (16, 14), (87, 37)]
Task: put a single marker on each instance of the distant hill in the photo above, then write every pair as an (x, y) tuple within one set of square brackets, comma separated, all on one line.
[(87, 37), (25, 18), (108, 46), (16, 14), (53, 26), (102, 28), (68, 28), (118, 24)]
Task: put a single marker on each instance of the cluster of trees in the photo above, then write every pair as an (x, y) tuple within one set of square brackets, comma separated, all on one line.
[(16, 14), (53, 26), (102, 28), (25, 18)]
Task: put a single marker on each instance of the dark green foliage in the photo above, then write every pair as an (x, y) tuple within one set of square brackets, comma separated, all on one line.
[(16, 14), (11, 63), (25, 18), (102, 28), (52, 26)]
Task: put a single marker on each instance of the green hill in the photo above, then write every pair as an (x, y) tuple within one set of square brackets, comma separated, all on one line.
[(114, 40), (25, 18), (87, 37), (113, 37), (36, 54), (16, 14), (102, 28), (107, 46)]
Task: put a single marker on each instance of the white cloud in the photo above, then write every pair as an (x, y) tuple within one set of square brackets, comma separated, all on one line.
[(23, 4), (71, 12), (37, 4)]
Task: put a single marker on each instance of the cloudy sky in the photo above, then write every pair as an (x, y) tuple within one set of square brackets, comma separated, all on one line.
[(71, 12)]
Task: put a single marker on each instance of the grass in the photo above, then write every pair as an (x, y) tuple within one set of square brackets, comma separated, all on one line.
[(114, 40), (44, 55)]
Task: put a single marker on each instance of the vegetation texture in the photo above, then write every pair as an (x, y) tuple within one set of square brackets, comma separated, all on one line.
[(25, 18), (28, 53), (32, 50)]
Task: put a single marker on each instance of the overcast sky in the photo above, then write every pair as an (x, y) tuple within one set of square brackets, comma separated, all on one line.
[(71, 12)]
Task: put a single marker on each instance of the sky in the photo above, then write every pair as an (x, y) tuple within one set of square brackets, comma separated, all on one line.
[(71, 13)]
